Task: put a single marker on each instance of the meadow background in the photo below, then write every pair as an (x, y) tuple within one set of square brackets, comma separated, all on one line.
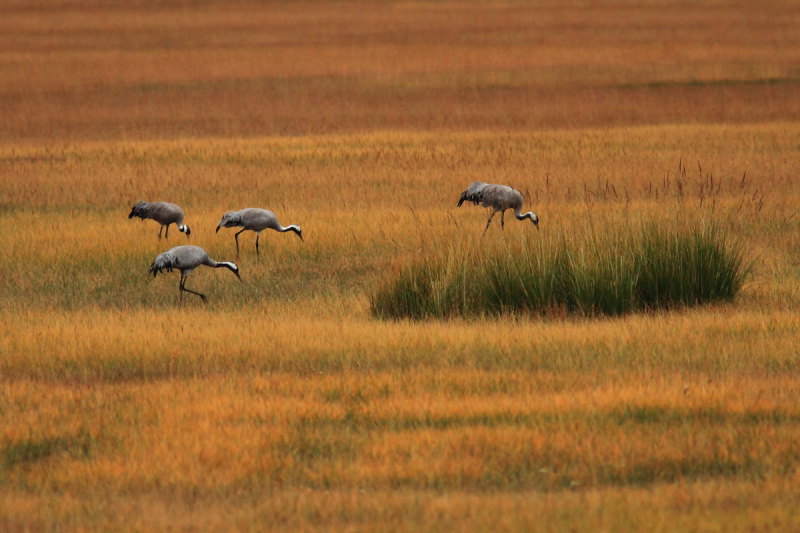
[(284, 403)]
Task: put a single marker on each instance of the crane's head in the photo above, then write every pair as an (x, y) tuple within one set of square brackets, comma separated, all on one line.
[(183, 228), (295, 228), (233, 268), (535, 220), (231, 219)]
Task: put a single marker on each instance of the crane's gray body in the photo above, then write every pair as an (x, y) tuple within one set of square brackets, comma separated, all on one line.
[(186, 259), (254, 219), (164, 213), (498, 198)]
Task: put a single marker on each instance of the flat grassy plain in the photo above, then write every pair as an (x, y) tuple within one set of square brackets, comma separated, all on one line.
[(284, 404)]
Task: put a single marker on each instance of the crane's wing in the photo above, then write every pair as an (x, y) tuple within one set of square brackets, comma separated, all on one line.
[(165, 213), (500, 197)]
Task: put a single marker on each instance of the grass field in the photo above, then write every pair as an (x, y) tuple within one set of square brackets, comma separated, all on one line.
[(285, 404)]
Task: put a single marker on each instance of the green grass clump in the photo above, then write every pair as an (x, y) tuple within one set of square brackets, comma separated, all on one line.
[(642, 268)]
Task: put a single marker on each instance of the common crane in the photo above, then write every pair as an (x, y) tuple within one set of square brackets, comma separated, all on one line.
[(164, 213), (186, 259), (254, 219), (498, 198)]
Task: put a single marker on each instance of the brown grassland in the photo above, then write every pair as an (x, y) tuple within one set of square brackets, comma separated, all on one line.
[(284, 404)]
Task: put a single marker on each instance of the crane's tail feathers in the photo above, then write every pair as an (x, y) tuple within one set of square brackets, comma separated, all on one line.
[(231, 219), (475, 197), (165, 261), (138, 210)]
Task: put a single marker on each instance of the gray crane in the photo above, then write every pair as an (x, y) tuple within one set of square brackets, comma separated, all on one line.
[(254, 219), (164, 213), (498, 198), (186, 259)]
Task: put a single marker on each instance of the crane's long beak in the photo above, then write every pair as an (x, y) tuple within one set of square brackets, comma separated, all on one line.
[(217, 230)]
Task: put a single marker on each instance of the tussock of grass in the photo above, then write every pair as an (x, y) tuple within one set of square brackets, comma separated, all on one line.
[(31, 450), (645, 267)]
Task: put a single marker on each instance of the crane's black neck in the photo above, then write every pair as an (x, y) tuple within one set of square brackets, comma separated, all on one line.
[(291, 227), (223, 264), (523, 216)]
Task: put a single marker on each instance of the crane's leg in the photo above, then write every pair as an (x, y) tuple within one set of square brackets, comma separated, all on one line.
[(488, 221), (202, 296), (184, 289), (257, 236), (160, 230), (166, 235), (236, 238), (502, 219)]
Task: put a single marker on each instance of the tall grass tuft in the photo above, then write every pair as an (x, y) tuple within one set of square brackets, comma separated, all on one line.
[(644, 267)]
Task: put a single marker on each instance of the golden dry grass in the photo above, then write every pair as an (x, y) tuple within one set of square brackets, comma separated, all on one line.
[(283, 404), (81, 70)]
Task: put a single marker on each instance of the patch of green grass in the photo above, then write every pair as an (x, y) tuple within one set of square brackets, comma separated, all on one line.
[(31, 450), (642, 268), (711, 83)]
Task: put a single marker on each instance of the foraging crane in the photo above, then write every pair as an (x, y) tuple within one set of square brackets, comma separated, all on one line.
[(498, 198), (186, 259), (164, 213), (254, 219)]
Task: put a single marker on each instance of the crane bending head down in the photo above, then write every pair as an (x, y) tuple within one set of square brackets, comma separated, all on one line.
[(254, 219), (186, 259), (498, 198), (164, 213)]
